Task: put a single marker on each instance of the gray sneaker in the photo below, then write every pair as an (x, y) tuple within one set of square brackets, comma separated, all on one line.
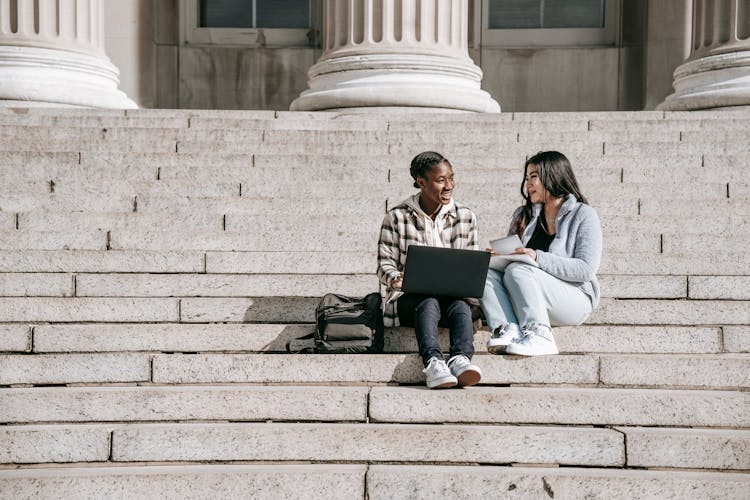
[(502, 337), (536, 340), (438, 374), (466, 373)]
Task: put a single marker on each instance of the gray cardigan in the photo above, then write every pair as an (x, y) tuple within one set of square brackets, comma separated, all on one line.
[(575, 253)]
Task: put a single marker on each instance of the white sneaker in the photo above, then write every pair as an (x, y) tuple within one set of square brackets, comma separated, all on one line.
[(466, 373), (536, 340), (502, 337), (438, 374)]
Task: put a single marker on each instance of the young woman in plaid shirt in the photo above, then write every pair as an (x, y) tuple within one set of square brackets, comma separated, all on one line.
[(430, 217)]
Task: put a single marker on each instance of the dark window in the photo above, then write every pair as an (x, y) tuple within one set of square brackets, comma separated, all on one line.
[(268, 14), (226, 14), (283, 13), (520, 14)]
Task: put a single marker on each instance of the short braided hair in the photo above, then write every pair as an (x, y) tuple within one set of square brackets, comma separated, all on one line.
[(423, 163)]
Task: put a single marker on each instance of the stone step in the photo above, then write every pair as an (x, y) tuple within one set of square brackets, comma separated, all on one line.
[(15, 338), (36, 285), (330, 481), (338, 442), (307, 285), (144, 404), (85, 239), (93, 121), (74, 368), (718, 371), (78, 309), (564, 406), (191, 338), (671, 312), (400, 481), (667, 149), (480, 405), (688, 448), (106, 261), (213, 285), (647, 125), (55, 444), (44, 220), (731, 263), (368, 442), (55, 202), (299, 309), (342, 481)]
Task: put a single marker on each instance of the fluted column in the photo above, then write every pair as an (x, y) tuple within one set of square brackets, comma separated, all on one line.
[(717, 73), (52, 53), (395, 53)]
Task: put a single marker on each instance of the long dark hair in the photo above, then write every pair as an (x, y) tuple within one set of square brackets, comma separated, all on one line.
[(557, 177)]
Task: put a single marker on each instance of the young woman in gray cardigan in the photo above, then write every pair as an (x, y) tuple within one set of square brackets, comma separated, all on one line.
[(561, 233)]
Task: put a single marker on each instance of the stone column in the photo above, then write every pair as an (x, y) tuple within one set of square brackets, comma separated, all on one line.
[(395, 54), (52, 54), (717, 73)]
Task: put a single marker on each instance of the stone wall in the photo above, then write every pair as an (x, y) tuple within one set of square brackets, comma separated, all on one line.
[(158, 70)]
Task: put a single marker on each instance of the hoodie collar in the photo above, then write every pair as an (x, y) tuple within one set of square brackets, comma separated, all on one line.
[(567, 206), (448, 210)]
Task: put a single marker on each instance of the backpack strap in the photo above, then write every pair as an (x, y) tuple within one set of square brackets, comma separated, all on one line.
[(305, 350)]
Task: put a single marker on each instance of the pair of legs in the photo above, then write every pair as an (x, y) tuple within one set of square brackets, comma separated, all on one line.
[(525, 295), (425, 314)]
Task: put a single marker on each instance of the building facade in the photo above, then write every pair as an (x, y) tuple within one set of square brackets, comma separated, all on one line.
[(535, 55)]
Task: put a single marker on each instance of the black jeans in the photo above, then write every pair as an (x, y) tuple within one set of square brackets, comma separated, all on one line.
[(425, 313)]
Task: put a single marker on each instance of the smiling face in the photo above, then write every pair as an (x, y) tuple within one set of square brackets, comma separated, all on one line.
[(537, 192), (437, 185)]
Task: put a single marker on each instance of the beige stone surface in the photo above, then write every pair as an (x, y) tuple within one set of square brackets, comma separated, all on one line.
[(19, 239), (260, 309), (221, 285), (293, 262), (36, 285), (643, 286), (53, 309), (15, 337), (103, 261), (671, 312), (736, 338), (720, 287), (405, 481), (570, 406), (174, 337), (187, 482), (54, 443), (688, 448), (114, 404), (705, 371), (46, 221), (590, 339), (74, 368), (146, 239), (379, 368), (370, 442)]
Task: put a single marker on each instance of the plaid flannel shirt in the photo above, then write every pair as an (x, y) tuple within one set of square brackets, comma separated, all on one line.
[(403, 226)]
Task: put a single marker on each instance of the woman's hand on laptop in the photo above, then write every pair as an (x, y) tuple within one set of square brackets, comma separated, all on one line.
[(397, 282), (492, 252)]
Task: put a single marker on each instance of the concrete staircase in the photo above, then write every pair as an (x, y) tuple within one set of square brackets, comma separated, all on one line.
[(153, 265)]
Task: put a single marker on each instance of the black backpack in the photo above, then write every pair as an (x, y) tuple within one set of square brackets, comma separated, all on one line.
[(350, 325)]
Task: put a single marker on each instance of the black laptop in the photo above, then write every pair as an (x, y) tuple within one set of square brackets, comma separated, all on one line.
[(447, 272)]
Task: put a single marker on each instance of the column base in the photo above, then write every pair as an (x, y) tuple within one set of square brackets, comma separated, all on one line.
[(718, 81), (48, 77), (395, 81)]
